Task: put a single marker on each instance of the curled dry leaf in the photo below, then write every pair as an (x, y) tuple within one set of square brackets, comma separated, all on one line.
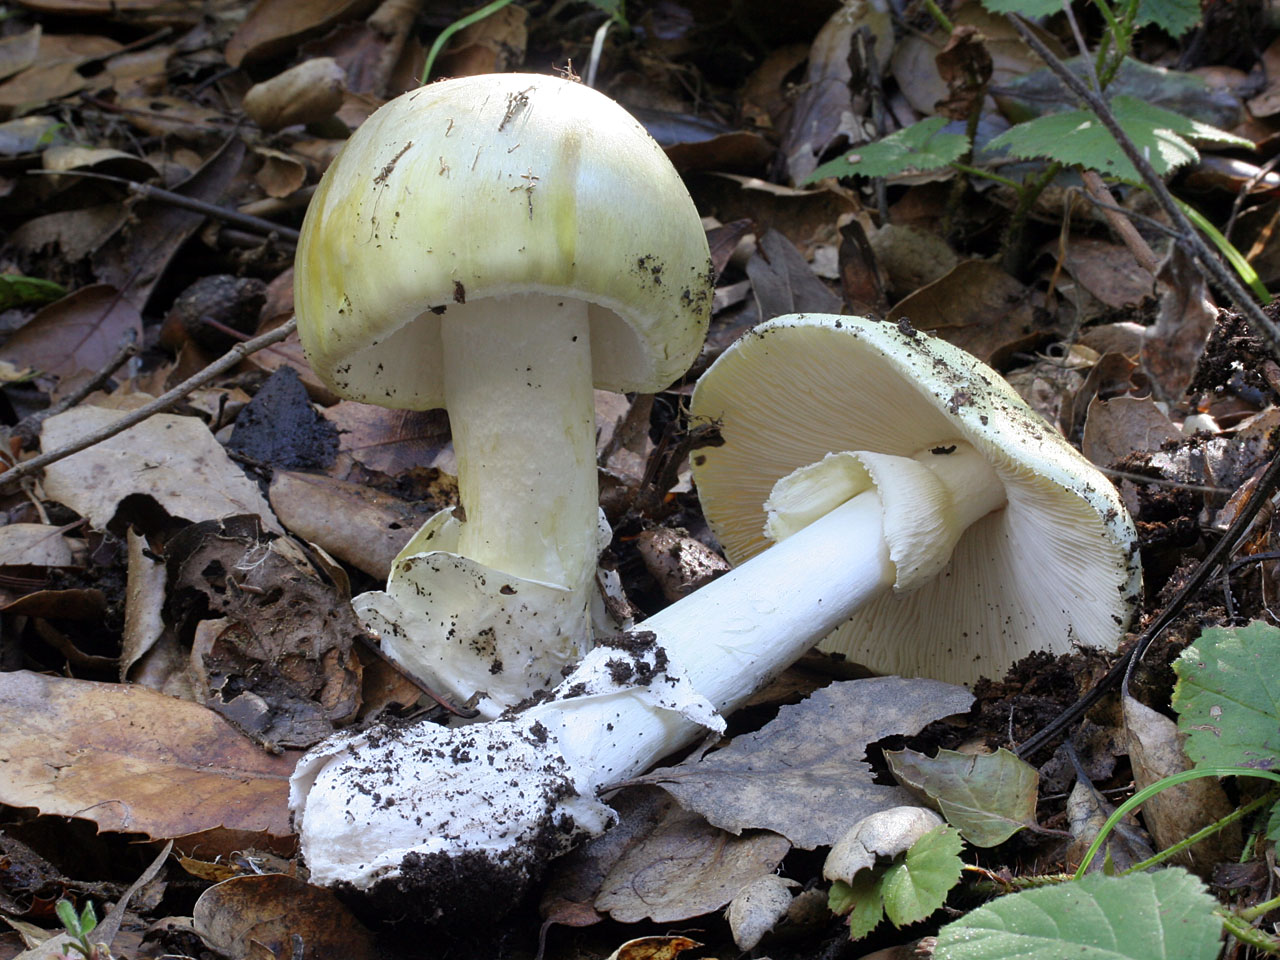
[(885, 833), (1155, 751), (133, 761), (758, 907), (242, 917), (307, 93)]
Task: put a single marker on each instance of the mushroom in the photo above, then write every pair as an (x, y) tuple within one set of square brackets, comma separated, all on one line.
[(381, 810), (496, 245), (1048, 561)]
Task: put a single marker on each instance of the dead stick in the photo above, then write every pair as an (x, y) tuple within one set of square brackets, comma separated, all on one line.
[(1121, 224), (253, 224), (28, 427), (160, 404)]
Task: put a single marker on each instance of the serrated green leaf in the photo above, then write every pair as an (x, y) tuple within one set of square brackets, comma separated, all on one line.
[(18, 291), (1228, 697), (917, 885), (1078, 137), (1167, 915), (921, 146), (1027, 8), (987, 797), (1174, 17), (860, 900)]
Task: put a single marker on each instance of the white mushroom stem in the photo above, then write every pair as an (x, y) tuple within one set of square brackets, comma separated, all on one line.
[(517, 374), (517, 791)]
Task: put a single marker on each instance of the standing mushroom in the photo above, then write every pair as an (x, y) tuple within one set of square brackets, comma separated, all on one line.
[(496, 245), (490, 802)]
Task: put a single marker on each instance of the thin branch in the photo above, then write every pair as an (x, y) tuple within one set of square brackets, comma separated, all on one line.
[(148, 192), (1121, 224), (1209, 261), (160, 404), (29, 427)]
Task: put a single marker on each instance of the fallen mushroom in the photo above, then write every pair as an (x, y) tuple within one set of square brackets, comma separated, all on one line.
[(491, 803), (1050, 558), (495, 245)]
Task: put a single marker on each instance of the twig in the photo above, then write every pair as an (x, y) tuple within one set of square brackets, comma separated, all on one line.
[(148, 192), (1208, 566), (160, 404), (1261, 324), (1121, 224), (28, 427)]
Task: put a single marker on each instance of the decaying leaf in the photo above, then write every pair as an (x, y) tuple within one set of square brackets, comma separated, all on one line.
[(686, 868), (173, 460), (803, 775), (758, 907), (134, 761), (1155, 752), (271, 916), (280, 662), (989, 797)]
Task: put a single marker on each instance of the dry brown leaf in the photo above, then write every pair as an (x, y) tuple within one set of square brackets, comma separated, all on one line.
[(653, 948), (265, 917), (495, 44), (911, 257), (1171, 347), (77, 335), (1108, 271), (309, 92), (979, 308), (275, 27), (783, 282), (133, 761), (55, 71), (354, 523), (173, 460), (393, 441), (19, 51), (1113, 429), (686, 868), (802, 775), (33, 544), (281, 174), (1155, 751)]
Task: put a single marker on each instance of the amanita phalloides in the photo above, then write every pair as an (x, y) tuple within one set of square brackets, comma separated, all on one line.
[(496, 245), (976, 479)]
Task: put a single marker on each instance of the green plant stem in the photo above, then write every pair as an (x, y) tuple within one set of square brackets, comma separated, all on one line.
[(979, 173), (462, 22), (939, 17), (1246, 934), (1146, 793), (1200, 834), (1027, 196), (1250, 914)]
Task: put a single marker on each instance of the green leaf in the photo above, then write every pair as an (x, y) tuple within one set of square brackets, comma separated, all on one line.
[(868, 907), (1078, 137), (1166, 915), (1028, 8), (921, 146), (841, 898), (67, 917), (18, 291), (1174, 17), (1228, 697), (1273, 824), (987, 797), (917, 885)]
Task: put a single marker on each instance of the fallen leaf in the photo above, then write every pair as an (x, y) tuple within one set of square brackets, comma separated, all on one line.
[(393, 441), (685, 868), (77, 335), (275, 27), (279, 917), (757, 908), (356, 524), (1155, 752), (33, 544), (653, 948), (134, 761), (987, 796), (802, 775), (1114, 429), (173, 460), (783, 281)]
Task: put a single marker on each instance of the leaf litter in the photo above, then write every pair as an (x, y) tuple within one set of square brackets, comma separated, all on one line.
[(134, 560)]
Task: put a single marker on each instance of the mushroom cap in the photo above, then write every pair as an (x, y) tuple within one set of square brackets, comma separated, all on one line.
[(1057, 566), (497, 186)]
